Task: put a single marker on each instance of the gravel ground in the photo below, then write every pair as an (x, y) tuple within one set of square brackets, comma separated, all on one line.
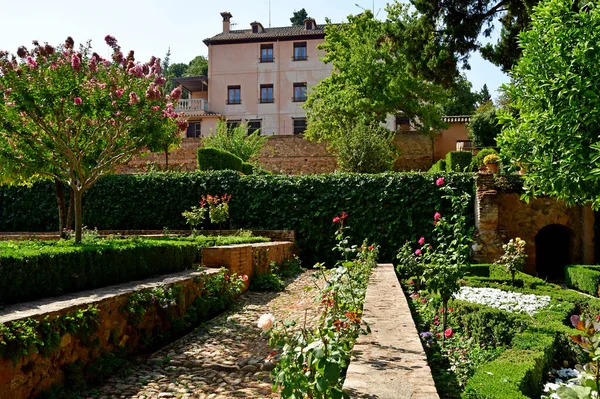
[(225, 358)]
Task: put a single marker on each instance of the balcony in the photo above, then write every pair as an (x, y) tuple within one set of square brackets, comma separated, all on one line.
[(192, 104)]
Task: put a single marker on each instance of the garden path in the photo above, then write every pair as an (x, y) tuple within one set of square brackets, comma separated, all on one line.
[(225, 358)]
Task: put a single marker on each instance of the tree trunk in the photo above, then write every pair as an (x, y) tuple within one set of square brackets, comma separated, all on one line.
[(444, 317), (60, 202), (166, 158), (70, 213), (78, 196)]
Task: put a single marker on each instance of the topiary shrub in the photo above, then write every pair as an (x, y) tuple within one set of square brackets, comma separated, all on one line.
[(458, 161), (439, 166), (247, 168), (583, 278), (481, 156), (215, 159)]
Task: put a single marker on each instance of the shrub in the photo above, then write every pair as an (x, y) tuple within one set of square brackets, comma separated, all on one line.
[(247, 168), (491, 159), (380, 205), (458, 161), (33, 270), (236, 141), (266, 282), (439, 166), (583, 278), (215, 159)]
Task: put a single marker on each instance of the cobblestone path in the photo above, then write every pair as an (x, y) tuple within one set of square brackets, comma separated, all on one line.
[(223, 359)]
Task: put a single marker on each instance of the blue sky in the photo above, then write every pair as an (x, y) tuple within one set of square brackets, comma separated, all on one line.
[(151, 27)]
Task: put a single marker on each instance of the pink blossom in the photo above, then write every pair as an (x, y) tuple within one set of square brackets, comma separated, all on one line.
[(245, 277), (93, 64), (437, 216), (160, 80), (77, 101), (31, 62), (176, 93), (423, 300), (421, 241), (8, 91), (440, 181), (448, 333), (336, 219), (133, 98), (75, 62), (418, 252), (119, 92), (111, 41), (266, 321), (155, 108)]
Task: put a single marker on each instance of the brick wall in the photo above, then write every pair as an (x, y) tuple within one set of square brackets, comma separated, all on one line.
[(415, 151)]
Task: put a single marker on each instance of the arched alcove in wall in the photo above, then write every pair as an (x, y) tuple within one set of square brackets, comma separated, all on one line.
[(553, 251)]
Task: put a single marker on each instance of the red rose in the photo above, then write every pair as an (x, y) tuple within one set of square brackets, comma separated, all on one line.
[(448, 333)]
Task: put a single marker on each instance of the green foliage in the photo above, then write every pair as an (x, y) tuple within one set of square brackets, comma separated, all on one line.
[(197, 67), (513, 258), (556, 95), (267, 282), (163, 296), (481, 156), (508, 183), (371, 78), (458, 161), (312, 360), (73, 116), (583, 278), (439, 166), (367, 147), (35, 270), (23, 337), (492, 159), (195, 216), (236, 141), (299, 17), (483, 127), (247, 168), (382, 206), (462, 99), (216, 159), (478, 270)]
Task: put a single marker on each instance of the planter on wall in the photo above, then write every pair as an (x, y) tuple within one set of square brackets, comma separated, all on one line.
[(492, 167)]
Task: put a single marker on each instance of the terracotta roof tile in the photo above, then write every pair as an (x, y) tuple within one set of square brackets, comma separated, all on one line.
[(268, 34), (457, 119)]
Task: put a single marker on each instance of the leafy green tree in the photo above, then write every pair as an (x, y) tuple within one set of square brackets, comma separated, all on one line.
[(236, 140), (74, 116), (367, 147), (299, 17), (484, 126), (197, 67), (451, 30), (179, 69), (463, 100), (555, 96), (371, 79)]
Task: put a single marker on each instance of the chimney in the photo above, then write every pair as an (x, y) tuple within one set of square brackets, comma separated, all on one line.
[(310, 24), (226, 21), (257, 27)]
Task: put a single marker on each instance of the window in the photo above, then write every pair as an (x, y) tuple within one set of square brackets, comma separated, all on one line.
[(299, 125), (266, 53), (402, 123), (299, 92), (194, 130), (309, 25), (234, 95), (253, 126), (233, 123), (300, 52), (266, 93), (254, 28)]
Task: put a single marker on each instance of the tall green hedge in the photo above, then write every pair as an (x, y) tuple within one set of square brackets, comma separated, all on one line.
[(386, 208), (439, 166), (458, 161), (584, 278), (216, 159)]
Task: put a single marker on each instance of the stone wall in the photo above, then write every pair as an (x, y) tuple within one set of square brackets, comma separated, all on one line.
[(295, 155), (416, 151), (501, 216), (120, 330)]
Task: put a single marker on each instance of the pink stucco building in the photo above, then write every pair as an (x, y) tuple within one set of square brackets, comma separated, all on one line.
[(258, 75)]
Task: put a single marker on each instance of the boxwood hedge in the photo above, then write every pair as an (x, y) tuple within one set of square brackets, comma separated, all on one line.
[(385, 208), (584, 278), (32, 270)]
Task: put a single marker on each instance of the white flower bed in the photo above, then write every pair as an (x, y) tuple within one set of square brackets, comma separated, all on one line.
[(513, 302), (561, 377)]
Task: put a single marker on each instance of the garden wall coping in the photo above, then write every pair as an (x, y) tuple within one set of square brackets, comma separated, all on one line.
[(388, 363)]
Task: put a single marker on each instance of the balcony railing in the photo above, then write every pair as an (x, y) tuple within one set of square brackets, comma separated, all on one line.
[(192, 104)]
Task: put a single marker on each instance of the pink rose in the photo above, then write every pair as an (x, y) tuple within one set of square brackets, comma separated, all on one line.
[(265, 322), (421, 241), (437, 216), (336, 219), (245, 277), (418, 252), (77, 101), (440, 182), (448, 333)]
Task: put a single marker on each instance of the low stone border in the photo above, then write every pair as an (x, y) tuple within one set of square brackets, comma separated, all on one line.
[(276, 235), (389, 363)]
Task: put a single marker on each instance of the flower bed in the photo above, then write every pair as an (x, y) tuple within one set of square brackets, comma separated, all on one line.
[(514, 302), (36, 269)]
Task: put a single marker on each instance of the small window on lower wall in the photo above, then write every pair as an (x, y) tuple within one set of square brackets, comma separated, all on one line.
[(233, 123), (194, 130), (299, 125), (253, 126)]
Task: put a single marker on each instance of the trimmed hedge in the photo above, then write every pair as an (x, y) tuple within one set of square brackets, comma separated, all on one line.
[(386, 208), (584, 278), (247, 168), (439, 166), (216, 159), (458, 161), (31, 270)]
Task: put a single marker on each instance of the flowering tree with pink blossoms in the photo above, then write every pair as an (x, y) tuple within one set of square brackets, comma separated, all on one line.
[(74, 116)]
